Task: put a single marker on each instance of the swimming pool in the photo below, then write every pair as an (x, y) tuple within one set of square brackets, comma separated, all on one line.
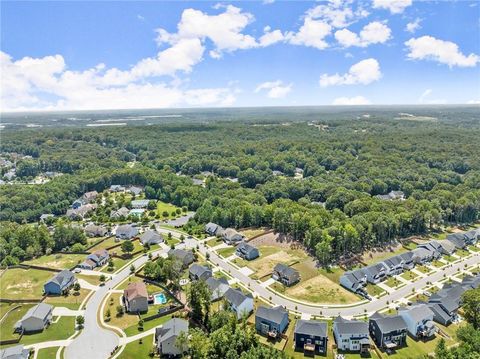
[(159, 298)]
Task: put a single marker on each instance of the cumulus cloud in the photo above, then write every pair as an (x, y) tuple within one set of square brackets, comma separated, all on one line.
[(413, 26), (312, 34), (444, 52), (374, 33), (337, 13), (363, 72), (275, 89), (270, 37), (395, 6), (351, 101)]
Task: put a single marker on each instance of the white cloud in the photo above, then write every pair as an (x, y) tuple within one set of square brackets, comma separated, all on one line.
[(312, 34), (275, 89), (270, 37), (373, 33), (337, 13), (444, 52), (425, 98), (413, 26), (395, 6), (363, 72), (351, 101)]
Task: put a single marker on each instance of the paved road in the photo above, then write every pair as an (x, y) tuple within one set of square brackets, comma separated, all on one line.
[(96, 342)]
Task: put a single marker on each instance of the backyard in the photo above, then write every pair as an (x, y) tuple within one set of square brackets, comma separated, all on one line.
[(57, 261), (169, 208), (18, 283), (109, 242), (64, 328), (70, 301), (9, 321)]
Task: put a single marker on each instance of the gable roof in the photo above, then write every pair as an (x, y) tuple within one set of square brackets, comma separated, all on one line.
[(126, 229), (181, 254), (286, 271), (62, 278), (345, 326), (198, 270), (245, 247), (235, 297), (140, 202), (311, 327), (230, 233), (15, 352), (214, 283), (150, 235), (388, 324), (173, 327), (39, 311), (135, 290), (274, 315), (418, 312)]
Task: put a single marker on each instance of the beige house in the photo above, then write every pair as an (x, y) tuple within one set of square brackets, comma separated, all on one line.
[(135, 297)]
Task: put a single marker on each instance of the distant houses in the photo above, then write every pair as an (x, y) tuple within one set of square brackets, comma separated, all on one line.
[(271, 322), (286, 275), (311, 336), (126, 231), (93, 230), (199, 272), (60, 283), (247, 251), (135, 297), (120, 213), (36, 319), (95, 259), (185, 257), (388, 332), (166, 337), (238, 302), (80, 212), (392, 195), (351, 335)]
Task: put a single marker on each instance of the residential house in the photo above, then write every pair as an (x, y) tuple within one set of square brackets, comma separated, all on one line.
[(471, 282), (388, 332), (213, 229), (59, 283), (271, 322), (238, 302), (167, 334), (285, 274), (36, 319), (433, 246), (458, 240), (135, 190), (89, 197), (117, 188), (419, 320), (393, 265), (447, 247), (310, 336), (218, 287), (355, 281), (392, 195), (140, 203), (93, 230), (231, 236), (446, 302), (408, 260), (126, 231), (95, 259), (45, 216), (120, 213), (351, 335), (184, 256), (15, 352), (151, 237), (199, 272), (375, 273), (81, 212), (422, 255), (247, 251), (472, 237), (137, 212), (77, 203), (135, 297)]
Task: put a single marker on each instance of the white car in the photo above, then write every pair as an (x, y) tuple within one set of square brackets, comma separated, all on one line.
[(77, 270)]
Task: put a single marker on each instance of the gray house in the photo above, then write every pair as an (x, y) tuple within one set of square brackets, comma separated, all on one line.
[(472, 237), (199, 272), (185, 257), (151, 237), (135, 297), (59, 283), (92, 230), (126, 231), (310, 336), (375, 273), (423, 255), (388, 332), (285, 274), (351, 335), (120, 213), (238, 302), (218, 287), (36, 319), (434, 247), (231, 236), (445, 303), (271, 322), (419, 320), (458, 240), (213, 229), (408, 260), (96, 259), (166, 337), (247, 251), (394, 265), (140, 203), (447, 247), (15, 352), (355, 281)]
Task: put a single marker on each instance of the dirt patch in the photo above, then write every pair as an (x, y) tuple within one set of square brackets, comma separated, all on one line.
[(265, 265), (378, 254)]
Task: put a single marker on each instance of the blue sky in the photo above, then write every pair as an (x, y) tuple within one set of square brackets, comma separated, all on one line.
[(88, 55)]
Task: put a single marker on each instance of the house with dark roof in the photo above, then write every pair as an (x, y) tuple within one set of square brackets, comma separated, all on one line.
[(388, 332), (355, 281), (271, 322), (166, 337), (457, 239), (218, 287), (36, 319), (95, 259), (199, 272), (15, 352), (239, 302), (231, 236), (434, 247), (135, 297), (126, 231), (447, 247), (375, 273), (140, 203), (60, 283), (135, 190), (445, 303), (212, 229), (185, 257), (93, 230), (472, 237), (471, 282), (310, 336), (419, 320), (351, 335), (285, 274), (422, 255), (151, 237), (117, 188), (120, 213), (247, 251), (393, 265)]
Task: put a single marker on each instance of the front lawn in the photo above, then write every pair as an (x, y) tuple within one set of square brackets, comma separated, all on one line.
[(63, 329), (18, 283), (374, 290), (58, 261), (437, 264), (409, 275), (133, 330), (117, 264), (392, 282), (119, 321), (135, 350), (474, 248), (70, 301), (109, 242), (214, 242), (47, 353), (92, 279), (462, 252), (423, 269), (226, 252)]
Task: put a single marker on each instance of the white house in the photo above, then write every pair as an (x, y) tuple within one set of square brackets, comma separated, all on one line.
[(240, 303), (351, 335)]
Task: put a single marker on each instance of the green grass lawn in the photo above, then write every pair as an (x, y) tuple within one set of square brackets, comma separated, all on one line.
[(70, 301), (9, 321), (374, 290), (437, 264), (423, 269), (109, 242), (449, 258), (392, 282), (133, 329), (47, 353), (135, 350), (117, 264), (123, 321), (409, 275), (18, 283), (92, 279), (462, 252), (226, 252), (58, 261), (162, 207), (213, 242), (474, 248), (64, 328)]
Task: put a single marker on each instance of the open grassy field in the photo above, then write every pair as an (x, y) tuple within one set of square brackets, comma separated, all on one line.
[(64, 328), (135, 350), (253, 232), (9, 321), (47, 353), (58, 261), (226, 252), (70, 301), (162, 207), (18, 283), (109, 242)]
